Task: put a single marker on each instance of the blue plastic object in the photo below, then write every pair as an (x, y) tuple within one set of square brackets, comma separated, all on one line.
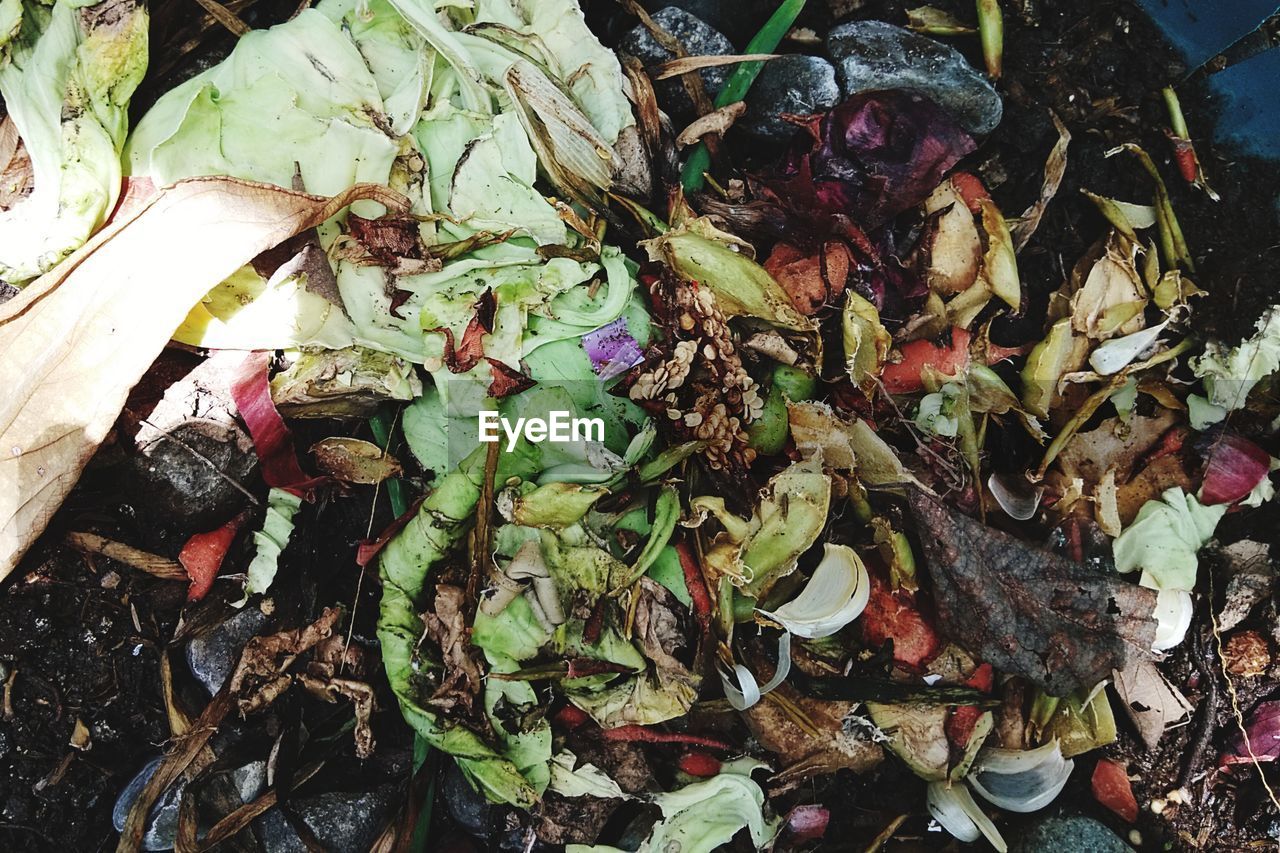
[(1202, 29), (1249, 115)]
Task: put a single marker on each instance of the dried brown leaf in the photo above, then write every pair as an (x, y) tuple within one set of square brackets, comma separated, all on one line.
[(354, 461), (1054, 168), (1026, 611), (685, 64), (77, 339), (1152, 703), (715, 122)]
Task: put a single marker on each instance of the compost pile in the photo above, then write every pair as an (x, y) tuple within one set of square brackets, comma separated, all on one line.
[(924, 485)]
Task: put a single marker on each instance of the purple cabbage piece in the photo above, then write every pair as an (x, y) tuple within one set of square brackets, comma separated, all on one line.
[(612, 349), (872, 157), (1263, 726)]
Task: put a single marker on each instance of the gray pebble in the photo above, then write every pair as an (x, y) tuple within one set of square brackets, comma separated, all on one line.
[(342, 822), (212, 656), (698, 39), (1070, 834), (797, 84), (162, 824), (875, 56)]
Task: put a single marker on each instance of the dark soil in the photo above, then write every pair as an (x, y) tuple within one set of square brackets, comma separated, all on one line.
[(83, 638)]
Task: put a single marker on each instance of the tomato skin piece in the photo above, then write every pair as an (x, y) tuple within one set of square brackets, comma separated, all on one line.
[(970, 188), (903, 376), (203, 554), (1111, 788)]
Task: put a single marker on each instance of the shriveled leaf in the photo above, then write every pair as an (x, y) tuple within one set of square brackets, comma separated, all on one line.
[(866, 341), (1059, 624), (1260, 739), (1054, 168), (78, 338), (1152, 703), (849, 445), (353, 460), (955, 248)]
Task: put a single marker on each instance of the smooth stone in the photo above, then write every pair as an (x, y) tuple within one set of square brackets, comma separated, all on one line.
[(213, 656), (162, 823), (875, 56), (1071, 834), (737, 19), (342, 822), (467, 806), (797, 84), (698, 39), (182, 491)]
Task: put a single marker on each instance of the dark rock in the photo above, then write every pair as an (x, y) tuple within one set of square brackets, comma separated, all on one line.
[(342, 822), (178, 488), (873, 55), (467, 806), (737, 19), (698, 39), (162, 824), (1070, 834), (797, 84), (212, 656)]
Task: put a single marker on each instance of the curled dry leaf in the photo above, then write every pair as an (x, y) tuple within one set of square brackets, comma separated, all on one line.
[(78, 338), (354, 461), (1028, 612)]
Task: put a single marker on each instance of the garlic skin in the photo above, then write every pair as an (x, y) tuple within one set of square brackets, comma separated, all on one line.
[(953, 807), (1020, 780), (837, 594)]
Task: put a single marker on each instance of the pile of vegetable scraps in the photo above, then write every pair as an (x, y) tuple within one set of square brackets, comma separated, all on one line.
[(706, 482)]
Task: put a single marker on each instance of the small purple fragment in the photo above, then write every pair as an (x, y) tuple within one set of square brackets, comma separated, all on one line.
[(1263, 728), (612, 349)]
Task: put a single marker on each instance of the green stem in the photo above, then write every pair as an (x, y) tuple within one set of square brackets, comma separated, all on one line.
[(991, 34), (1177, 120), (693, 176), (382, 424)]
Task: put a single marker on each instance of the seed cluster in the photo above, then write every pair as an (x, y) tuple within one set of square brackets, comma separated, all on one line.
[(696, 378)]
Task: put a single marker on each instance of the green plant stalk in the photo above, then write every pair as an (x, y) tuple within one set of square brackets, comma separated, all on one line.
[(1173, 245), (665, 515), (1177, 120), (381, 424), (693, 175), (991, 34)]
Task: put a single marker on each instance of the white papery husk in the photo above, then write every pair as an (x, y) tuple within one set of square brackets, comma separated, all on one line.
[(747, 692), (836, 595), (1020, 780), (953, 807)]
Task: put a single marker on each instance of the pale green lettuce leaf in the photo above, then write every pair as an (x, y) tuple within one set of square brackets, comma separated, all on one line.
[(1229, 373), (1164, 538), (66, 80), (276, 530), (702, 816)]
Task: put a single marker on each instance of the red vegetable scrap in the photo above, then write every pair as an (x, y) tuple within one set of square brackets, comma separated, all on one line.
[(698, 763), (812, 279), (963, 719), (1234, 468), (644, 734), (695, 583), (894, 614), (872, 157), (971, 190), (904, 375), (203, 554), (1260, 739), (272, 439), (1111, 788), (806, 823)]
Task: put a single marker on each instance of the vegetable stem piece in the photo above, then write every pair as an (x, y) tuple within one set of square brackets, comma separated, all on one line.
[(693, 176), (991, 34)]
